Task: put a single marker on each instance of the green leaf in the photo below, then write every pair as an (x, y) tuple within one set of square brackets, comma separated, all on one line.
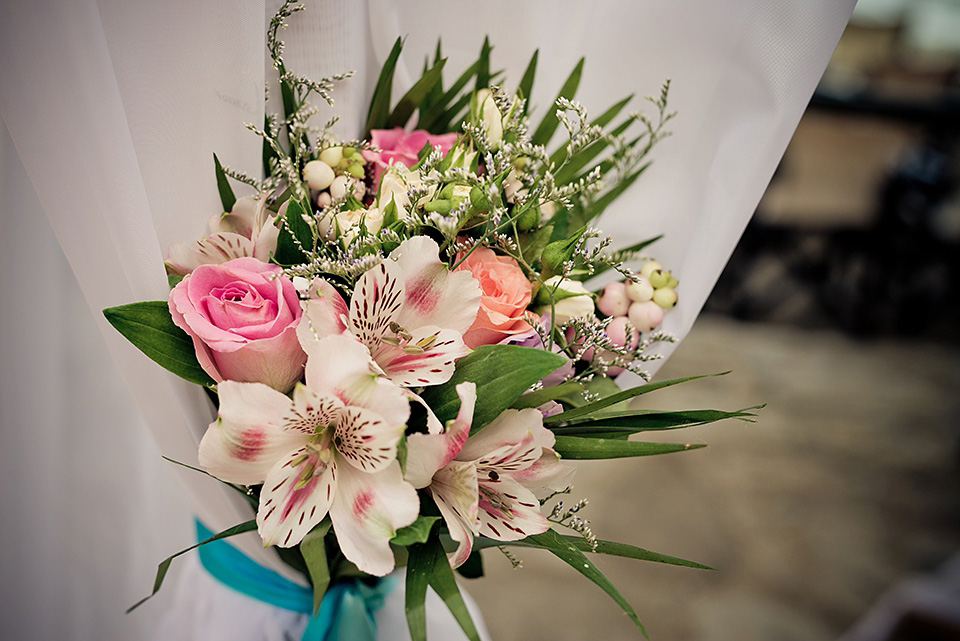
[(442, 124), (591, 151), (572, 556), (575, 447), (380, 101), (173, 280), (611, 548), (412, 99), (288, 251), (150, 328), (416, 532), (483, 66), (625, 395), (227, 199), (558, 252), (525, 88), (533, 243), (428, 564), (247, 526), (633, 421), (501, 372), (550, 121), (541, 396), (314, 550), (429, 118)]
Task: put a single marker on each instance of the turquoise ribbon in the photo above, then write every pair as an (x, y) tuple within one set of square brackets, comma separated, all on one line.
[(346, 612)]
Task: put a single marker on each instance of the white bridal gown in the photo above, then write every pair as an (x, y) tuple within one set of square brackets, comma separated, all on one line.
[(112, 110)]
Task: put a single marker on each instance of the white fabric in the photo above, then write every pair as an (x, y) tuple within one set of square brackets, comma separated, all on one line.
[(115, 108)]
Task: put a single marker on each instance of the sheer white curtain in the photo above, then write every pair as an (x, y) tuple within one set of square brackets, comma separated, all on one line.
[(114, 109)]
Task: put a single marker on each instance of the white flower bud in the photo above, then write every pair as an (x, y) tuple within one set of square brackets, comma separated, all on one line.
[(639, 289), (489, 116), (645, 316), (318, 175), (613, 301), (324, 199), (579, 305)]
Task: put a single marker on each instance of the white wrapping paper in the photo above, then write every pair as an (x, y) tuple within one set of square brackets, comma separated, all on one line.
[(115, 109)]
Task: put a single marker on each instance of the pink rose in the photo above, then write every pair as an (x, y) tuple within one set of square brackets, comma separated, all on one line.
[(401, 147), (242, 316), (506, 295)]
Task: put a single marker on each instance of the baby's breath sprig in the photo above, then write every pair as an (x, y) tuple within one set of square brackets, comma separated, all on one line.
[(569, 518)]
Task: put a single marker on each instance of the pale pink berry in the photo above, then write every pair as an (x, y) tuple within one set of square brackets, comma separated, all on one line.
[(645, 316), (613, 301), (617, 332)]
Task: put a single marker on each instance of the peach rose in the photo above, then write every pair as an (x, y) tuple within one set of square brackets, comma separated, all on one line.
[(506, 295)]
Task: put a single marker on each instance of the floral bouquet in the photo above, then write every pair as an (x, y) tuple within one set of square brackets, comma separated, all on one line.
[(398, 338)]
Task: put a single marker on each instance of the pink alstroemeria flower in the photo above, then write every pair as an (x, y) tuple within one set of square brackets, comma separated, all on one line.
[(410, 311), (330, 449), (247, 230), (485, 484), (398, 146)]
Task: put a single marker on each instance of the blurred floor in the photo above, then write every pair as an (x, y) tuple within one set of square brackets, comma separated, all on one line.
[(846, 485)]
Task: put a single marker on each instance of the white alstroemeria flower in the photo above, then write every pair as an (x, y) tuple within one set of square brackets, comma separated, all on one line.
[(330, 449), (248, 230), (485, 485), (410, 311)]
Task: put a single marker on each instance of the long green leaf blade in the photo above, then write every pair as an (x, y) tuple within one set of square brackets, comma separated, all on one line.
[(296, 237), (576, 447), (647, 420), (572, 556), (380, 101), (227, 199), (314, 550), (419, 568), (625, 395), (150, 328), (501, 372), (541, 396), (550, 121), (247, 526), (444, 582), (414, 96), (483, 65), (525, 88)]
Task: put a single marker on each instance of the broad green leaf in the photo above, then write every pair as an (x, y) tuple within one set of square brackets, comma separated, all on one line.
[(150, 328), (625, 395), (550, 121), (227, 199), (380, 101), (412, 99), (572, 556), (314, 550), (501, 372), (416, 532), (575, 447), (288, 251), (525, 88), (247, 526)]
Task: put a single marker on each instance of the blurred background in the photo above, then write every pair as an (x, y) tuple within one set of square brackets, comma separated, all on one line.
[(836, 515)]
